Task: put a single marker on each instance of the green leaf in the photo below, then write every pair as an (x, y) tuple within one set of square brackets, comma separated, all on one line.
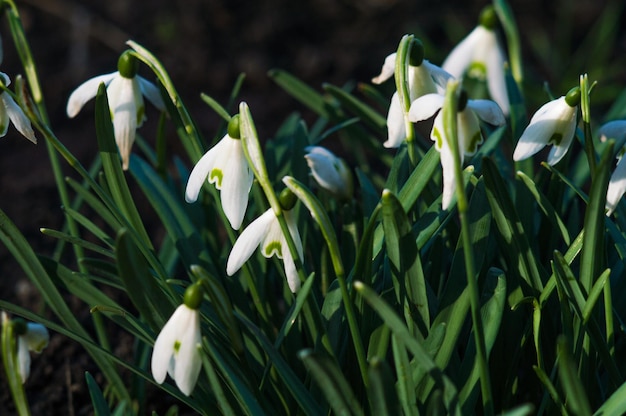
[(367, 114), (332, 382), (301, 92), (615, 405), (100, 406), (577, 401), (382, 395)]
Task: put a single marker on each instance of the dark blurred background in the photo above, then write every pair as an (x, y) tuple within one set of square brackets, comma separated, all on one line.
[(205, 45)]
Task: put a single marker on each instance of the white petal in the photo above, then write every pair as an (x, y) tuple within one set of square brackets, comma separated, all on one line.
[(425, 107), (617, 187), (36, 337), (19, 119), (568, 129), (163, 350), (237, 182), (124, 109), (616, 130), (449, 183), (274, 241), (496, 81), (488, 111), (439, 75), (462, 55), (4, 114), (469, 134), (293, 280), (151, 92), (23, 358), (420, 82), (387, 70), (188, 360), (325, 168), (248, 241), (85, 92), (396, 130), (201, 172)]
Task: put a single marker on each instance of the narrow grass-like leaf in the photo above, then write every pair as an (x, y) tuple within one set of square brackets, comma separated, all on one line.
[(615, 405), (367, 114), (577, 401), (405, 386), (100, 406), (551, 389), (77, 241), (332, 382), (301, 92), (215, 106), (382, 396), (216, 387)]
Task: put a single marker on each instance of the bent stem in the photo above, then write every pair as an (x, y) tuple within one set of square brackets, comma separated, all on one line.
[(450, 125)]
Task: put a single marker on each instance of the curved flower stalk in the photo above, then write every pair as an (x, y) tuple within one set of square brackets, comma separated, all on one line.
[(554, 123), (125, 90), (423, 78), (330, 172), (617, 184), (226, 166), (11, 112), (177, 347), (469, 133), (265, 232), (480, 55)]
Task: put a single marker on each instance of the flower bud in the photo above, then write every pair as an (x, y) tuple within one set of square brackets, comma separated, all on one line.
[(234, 127), (128, 65)]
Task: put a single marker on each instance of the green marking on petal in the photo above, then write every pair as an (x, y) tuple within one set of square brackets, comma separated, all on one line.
[(140, 113), (216, 176), (477, 70), (556, 139), (438, 138), (176, 346), (273, 248), (472, 146)]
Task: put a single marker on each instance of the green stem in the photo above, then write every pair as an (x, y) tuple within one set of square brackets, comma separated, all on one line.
[(11, 367), (586, 116), (450, 123)]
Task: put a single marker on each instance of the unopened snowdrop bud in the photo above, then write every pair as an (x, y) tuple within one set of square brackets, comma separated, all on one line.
[(30, 337), (226, 166), (330, 172), (177, 348), (553, 124), (615, 130)]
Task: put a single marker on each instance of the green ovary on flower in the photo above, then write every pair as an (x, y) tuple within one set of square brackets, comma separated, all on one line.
[(140, 114), (216, 177), (273, 247)]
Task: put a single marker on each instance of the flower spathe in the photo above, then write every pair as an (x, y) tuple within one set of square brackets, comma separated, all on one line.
[(224, 165), (265, 232), (176, 349), (554, 123), (480, 55), (35, 339), (469, 133), (617, 184), (329, 171), (423, 79), (11, 112), (125, 93)]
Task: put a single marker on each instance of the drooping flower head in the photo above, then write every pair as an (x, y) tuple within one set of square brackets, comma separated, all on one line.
[(615, 130), (555, 124), (11, 112), (30, 337), (480, 56), (469, 134), (423, 78), (265, 232), (329, 171), (125, 90), (176, 349), (225, 165)]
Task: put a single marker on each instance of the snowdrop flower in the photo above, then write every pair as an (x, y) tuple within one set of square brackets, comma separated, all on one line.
[(125, 90), (423, 77), (617, 184), (226, 166), (176, 349), (469, 133), (329, 171), (265, 232), (10, 111), (30, 337), (481, 56), (554, 123)]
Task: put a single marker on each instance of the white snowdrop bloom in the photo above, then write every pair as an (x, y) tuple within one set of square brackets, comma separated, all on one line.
[(329, 171), (11, 112), (617, 184)]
